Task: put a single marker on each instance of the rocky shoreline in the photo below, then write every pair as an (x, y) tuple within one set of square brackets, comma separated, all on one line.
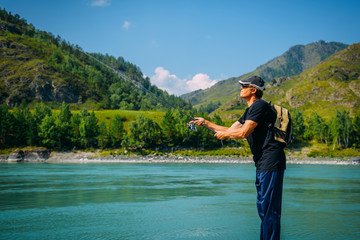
[(45, 156)]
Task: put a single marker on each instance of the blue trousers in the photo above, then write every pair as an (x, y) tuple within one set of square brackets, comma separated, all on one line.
[(269, 187)]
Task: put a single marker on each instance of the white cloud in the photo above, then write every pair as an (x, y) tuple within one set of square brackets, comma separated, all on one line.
[(200, 81), (168, 82), (100, 3), (126, 25), (174, 85)]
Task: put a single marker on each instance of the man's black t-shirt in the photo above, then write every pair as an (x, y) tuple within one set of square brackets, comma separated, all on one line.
[(268, 153)]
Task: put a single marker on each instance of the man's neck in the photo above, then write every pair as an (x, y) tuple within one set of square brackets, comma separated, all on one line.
[(251, 100)]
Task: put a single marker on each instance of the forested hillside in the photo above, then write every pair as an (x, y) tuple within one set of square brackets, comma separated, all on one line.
[(37, 66), (293, 62)]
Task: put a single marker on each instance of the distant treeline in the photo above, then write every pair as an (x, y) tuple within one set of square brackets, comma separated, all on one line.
[(65, 131), (210, 107), (341, 130)]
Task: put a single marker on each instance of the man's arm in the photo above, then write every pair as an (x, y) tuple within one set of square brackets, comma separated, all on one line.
[(238, 131), (202, 122), (236, 125)]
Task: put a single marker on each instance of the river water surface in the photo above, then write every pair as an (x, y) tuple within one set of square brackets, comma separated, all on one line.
[(172, 201)]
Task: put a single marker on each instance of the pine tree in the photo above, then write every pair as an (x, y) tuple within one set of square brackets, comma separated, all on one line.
[(298, 124), (103, 138), (40, 111), (6, 133), (49, 133), (64, 126), (170, 133), (143, 133), (116, 131), (24, 126), (75, 130), (88, 130)]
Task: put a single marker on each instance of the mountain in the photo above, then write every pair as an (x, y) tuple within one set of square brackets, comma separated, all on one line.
[(333, 84), (37, 66), (293, 62)]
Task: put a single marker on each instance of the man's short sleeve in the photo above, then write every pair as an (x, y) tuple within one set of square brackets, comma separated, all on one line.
[(257, 111)]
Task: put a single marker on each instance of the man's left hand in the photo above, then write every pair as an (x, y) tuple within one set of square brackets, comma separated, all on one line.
[(221, 135)]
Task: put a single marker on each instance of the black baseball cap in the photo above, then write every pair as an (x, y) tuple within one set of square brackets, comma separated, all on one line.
[(254, 81)]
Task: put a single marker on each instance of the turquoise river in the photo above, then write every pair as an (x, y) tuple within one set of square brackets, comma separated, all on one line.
[(172, 201)]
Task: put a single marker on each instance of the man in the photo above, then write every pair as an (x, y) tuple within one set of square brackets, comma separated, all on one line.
[(256, 126)]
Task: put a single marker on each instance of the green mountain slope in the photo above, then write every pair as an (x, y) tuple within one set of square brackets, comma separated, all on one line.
[(37, 66), (297, 59), (291, 63), (333, 84)]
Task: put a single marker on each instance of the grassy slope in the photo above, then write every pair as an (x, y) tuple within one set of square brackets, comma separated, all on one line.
[(332, 85), (25, 64)]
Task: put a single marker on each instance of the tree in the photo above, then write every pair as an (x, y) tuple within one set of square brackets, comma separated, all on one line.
[(88, 129), (298, 124), (143, 133), (25, 129), (65, 113), (103, 138), (75, 130), (55, 58), (116, 131), (348, 129), (317, 127), (356, 129), (40, 111), (217, 120), (341, 128), (170, 133), (6, 119), (31, 132), (49, 133), (187, 137), (64, 126), (206, 136)]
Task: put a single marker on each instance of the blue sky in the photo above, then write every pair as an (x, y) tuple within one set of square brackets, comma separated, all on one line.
[(186, 45)]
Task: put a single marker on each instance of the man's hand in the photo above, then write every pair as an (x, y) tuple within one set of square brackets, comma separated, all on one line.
[(221, 135), (198, 121)]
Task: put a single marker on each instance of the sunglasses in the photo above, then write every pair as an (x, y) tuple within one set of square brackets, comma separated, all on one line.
[(245, 85)]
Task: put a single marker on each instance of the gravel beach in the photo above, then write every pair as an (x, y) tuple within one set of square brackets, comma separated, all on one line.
[(93, 157)]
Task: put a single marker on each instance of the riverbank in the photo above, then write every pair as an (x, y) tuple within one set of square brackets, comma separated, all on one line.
[(89, 158), (43, 155), (92, 158)]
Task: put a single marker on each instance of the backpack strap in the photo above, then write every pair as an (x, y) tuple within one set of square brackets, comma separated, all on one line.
[(270, 125)]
